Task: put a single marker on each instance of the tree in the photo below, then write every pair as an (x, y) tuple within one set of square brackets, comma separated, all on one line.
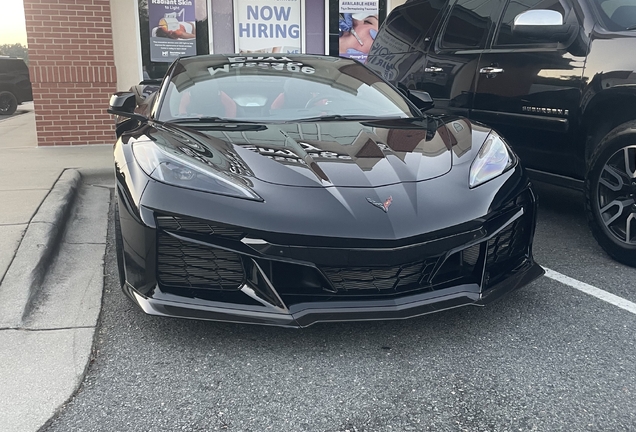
[(15, 50)]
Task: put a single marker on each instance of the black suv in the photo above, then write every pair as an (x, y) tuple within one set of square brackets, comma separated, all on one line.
[(15, 85), (555, 77)]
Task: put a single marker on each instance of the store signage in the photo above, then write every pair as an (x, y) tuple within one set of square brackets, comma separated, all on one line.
[(358, 26), (348, 6), (268, 26), (172, 29)]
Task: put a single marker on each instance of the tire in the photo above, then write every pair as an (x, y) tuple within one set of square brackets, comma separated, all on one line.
[(610, 193), (8, 103), (119, 245)]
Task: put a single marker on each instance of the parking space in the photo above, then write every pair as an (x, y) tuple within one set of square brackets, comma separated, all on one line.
[(547, 357), (564, 243)]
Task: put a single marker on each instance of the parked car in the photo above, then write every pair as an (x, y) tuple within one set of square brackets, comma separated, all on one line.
[(289, 190), (15, 85), (555, 77)]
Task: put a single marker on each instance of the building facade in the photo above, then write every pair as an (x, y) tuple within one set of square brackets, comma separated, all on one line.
[(81, 51)]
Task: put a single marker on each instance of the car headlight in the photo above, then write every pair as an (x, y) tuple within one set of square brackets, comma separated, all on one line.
[(494, 158), (168, 165)]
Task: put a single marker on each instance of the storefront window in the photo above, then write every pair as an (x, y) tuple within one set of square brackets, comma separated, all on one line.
[(170, 29)]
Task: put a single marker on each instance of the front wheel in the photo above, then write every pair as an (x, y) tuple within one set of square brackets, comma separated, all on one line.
[(610, 193)]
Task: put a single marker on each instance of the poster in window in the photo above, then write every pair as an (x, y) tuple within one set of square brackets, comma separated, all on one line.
[(358, 23), (172, 29), (268, 26)]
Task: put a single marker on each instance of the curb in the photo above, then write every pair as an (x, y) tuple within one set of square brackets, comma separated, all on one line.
[(37, 250), (9, 117)]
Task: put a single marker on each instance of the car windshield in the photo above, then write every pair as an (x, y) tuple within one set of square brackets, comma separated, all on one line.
[(277, 89), (617, 14)]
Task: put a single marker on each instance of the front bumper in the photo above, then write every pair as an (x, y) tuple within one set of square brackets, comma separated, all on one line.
[(403, 308), (188, 268)]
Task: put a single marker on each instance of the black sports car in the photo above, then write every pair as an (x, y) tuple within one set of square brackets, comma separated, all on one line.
[(289, 190)]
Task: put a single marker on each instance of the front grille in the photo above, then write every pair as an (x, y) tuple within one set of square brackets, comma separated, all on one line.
[(509, 244), (181, 224), (395, 278), (185, 264)]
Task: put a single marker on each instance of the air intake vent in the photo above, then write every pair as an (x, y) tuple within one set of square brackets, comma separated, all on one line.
[(184, 264), (180, 224), (471, 255), (510, 243), (381, 278)]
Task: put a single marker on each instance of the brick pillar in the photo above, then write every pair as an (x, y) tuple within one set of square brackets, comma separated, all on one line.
[(72, 70)]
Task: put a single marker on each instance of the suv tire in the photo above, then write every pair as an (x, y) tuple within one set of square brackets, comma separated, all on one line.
[(610, 193), (8, 103)]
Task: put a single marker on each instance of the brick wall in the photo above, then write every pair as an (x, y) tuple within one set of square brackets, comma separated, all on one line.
[(72, 70)]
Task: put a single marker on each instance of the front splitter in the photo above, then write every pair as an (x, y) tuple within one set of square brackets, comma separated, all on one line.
[(360, 310)]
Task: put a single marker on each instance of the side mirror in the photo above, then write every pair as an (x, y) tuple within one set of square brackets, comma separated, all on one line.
[(421, 99), (124, 104), (543, 25)]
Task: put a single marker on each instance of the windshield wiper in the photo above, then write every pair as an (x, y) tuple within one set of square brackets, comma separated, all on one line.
[(336, 117), (206, 120)]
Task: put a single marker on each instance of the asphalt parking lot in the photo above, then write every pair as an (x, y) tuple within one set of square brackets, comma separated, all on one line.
[(546, 358)]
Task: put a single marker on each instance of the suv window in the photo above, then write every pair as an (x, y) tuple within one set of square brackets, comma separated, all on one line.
[(12, 65), (617, 14), (468, 24), (516, 7), (414, 22)]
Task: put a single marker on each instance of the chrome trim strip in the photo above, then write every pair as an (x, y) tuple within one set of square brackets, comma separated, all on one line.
[(251, 241)]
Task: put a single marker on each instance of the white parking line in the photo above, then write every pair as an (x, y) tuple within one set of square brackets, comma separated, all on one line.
[(592, 290)]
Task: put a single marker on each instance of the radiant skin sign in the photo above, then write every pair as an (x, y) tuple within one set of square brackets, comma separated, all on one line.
[(172, 29)]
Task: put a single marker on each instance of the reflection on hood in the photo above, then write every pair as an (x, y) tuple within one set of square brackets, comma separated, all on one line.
[(319, 154)]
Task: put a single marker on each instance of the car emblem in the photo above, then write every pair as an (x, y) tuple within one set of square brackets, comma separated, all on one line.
[(382, 206)]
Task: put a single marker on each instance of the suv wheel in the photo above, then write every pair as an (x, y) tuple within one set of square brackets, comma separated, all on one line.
[(8, 103), (610, 193)]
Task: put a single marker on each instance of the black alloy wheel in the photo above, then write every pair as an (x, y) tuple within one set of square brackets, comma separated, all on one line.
[(8, 103), (610, 193)]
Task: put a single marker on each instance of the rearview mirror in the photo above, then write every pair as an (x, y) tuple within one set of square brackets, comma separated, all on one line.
[(543, 25)]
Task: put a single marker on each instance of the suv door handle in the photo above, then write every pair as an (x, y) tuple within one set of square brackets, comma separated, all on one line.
[(490, 71), (433, 69)]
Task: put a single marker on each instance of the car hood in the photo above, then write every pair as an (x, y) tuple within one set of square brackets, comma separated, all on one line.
[(333, 153)]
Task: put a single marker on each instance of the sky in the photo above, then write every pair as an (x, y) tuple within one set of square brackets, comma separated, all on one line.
[(12, 27)]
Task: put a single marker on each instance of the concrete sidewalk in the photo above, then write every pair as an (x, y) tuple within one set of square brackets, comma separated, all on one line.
[(45, 344)]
